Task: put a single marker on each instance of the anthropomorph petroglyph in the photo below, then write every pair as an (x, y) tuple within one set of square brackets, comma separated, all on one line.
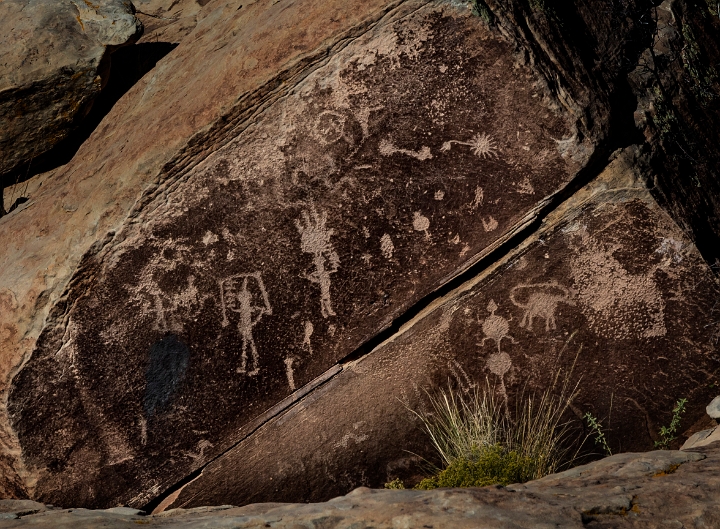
[(245, 295), (421, 223), (315, 240), (483, 146), (388, 149), (542, 300), (495, 327), (478, 200)]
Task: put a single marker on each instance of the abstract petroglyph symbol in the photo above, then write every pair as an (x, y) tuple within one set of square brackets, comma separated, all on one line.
[(482, 146), (329, 127), (307, 345), (461, 377), (542, 300), (421, 223), (315, 240), (386, 246), (617, 303), (499, 364), (289, 372), (245, 295), (671, 250), (201, 447), (495, 327), (478, 200), (490, 223), (388, 149), (358, 438), (439, 195), (525, 187)]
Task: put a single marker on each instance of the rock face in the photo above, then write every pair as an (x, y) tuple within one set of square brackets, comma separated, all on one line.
[(626, 490), (53, 63), (607, 279), (195, 295)]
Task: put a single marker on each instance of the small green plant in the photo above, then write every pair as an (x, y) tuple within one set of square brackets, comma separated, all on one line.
[(396, 484), (596, 431), (481, 9), (667, 434)]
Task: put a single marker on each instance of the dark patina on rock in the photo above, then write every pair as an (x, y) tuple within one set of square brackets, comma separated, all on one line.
[(609, 278), (408, 154)]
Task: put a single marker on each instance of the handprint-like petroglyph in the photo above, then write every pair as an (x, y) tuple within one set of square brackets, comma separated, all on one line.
[(482, 146), (245, 295), (495, 327), (542, 301), (421, 223), (388, 149), (315, 240)]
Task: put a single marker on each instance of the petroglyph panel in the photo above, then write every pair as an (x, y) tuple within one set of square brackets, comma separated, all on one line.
[(516, 326), (389, 167)]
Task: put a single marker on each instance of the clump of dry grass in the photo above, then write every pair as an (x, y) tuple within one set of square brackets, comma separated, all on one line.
[(481, 443)]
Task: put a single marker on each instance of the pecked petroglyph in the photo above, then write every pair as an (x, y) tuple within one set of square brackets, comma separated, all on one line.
[(461, 377), (329, 127), (489, 223), (388, 149), (482, 146), (237, 295), (616, 303), (495, 327), (421, 223), (315, 240), (478, 199), (289, 372), (386, 246), (540, 301)]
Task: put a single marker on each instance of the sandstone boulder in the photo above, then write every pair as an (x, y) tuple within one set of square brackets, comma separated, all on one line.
[(193, 296), (54, 60), (627, 490)]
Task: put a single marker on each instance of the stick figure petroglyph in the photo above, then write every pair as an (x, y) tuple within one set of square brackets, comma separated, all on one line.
[(483, 146), (238, 295), (542, 301), (315, 240)]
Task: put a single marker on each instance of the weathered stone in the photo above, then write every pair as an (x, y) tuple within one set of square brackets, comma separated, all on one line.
[(608, 278), (168, 20), (54, 60), (713, 409), (398, 162), (626, 490)]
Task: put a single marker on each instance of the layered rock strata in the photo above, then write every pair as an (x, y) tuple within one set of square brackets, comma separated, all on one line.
[(54, 60)]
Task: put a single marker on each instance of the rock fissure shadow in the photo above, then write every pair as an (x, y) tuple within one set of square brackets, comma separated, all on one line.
[(127, 66)]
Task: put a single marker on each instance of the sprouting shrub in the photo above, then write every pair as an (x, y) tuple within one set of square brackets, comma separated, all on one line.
[(490, 465), (396, 484), (480, 444), (667, 434), (481, 9), (597, 432)]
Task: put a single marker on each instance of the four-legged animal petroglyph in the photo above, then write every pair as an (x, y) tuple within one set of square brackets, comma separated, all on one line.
[(483, 146), (245, 295), (315, 240), (542, 301)]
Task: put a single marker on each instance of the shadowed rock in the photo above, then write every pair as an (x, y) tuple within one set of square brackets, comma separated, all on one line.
[(53, 64)]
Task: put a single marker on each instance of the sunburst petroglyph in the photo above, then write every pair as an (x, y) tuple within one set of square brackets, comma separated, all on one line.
[(482, 145)]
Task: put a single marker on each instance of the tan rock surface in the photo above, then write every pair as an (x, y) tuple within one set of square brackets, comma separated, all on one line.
[(639, 490), (54, 58)]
